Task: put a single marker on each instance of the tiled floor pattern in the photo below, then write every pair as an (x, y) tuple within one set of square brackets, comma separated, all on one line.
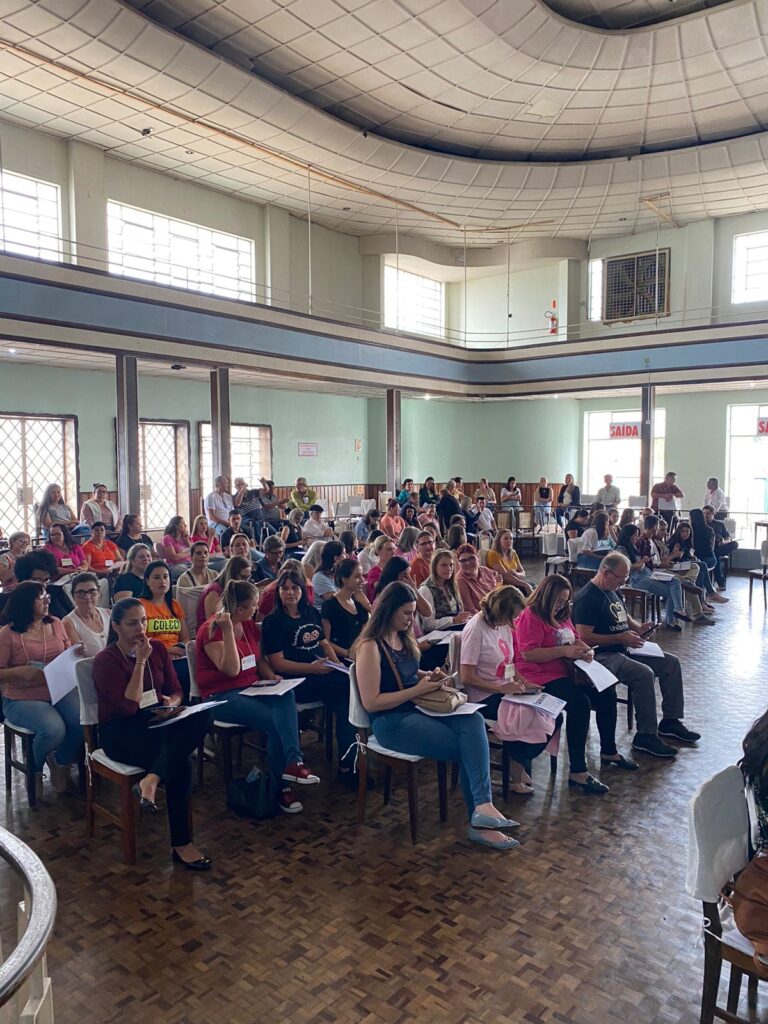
[(314, 919)]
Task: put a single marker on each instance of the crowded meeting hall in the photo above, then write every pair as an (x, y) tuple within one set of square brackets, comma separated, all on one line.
[(384, 511)]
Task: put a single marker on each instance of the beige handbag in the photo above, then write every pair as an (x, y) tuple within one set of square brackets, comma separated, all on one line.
[(442, 701)]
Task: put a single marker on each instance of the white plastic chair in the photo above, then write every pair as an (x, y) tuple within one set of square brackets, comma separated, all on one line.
[(637, 501), (367, 505), (588, 499), (384, 497)]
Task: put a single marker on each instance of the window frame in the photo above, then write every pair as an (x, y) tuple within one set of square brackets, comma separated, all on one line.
[(618, 415), (183, 504), (665, 311), (736, 301), (207, 423), (56, 250), (409, 325)]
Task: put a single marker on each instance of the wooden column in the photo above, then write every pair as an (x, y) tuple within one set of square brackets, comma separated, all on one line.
[(394, 467), (220, 425), (127, 381), (647, 418)]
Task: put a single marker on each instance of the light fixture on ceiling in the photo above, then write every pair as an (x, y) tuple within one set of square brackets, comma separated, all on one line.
[(145, 132), (346, 209), (178, 366)]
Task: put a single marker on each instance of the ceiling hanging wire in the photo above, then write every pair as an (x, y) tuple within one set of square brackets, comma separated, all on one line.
[(309, 239), (397, 271), (465, 287), (509, 272)]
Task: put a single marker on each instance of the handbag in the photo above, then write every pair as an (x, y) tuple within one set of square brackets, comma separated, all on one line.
[(253, 797), (442, 701), (749, 899)]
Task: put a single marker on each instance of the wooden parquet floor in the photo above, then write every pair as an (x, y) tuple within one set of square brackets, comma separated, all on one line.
[(311, 918)]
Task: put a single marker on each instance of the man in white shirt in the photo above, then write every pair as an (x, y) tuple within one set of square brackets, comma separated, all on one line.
[(715, 497), (485, 521), (218, 505), (609, 495), (314, 528)]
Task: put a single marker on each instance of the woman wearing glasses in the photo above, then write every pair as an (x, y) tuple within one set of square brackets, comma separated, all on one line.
[(87, 624)]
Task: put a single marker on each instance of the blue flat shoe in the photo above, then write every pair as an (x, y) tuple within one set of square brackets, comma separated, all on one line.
[(507, 843), (486, 821)]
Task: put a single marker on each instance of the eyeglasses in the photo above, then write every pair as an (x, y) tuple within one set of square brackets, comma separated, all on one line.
[(619, 579), (467, 561), (86, 593)]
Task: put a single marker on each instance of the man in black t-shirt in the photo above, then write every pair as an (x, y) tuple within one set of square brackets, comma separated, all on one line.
[(577, 524), (602, 621)]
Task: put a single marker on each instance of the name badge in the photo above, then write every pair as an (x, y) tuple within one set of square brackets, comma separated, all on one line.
[(66, 561), (509, 672), (248, 661), (109, 562), (149, 698), (37, 664)]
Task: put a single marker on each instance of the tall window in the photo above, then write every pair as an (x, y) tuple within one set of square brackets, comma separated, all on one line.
[(30, 217), (155, 248), (251, 454), (34, 452), (750, 267), (595, 289), (163, 472), (747, 468), (619, 456), (413, 303)]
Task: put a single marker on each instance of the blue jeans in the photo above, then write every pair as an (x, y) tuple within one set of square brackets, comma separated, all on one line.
[(541, 513), (670, 590), (704, 579), (276, 716), (459, 738), (56, 726)]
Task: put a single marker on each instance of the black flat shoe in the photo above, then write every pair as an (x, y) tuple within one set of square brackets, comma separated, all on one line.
[(591, 786), (145, 805), (201, 864), (623, 762)]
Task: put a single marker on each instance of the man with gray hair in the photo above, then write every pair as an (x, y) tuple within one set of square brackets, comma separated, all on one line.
[(601, 619)]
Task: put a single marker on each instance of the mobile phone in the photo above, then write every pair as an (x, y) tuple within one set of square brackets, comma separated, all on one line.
[(649, 631)]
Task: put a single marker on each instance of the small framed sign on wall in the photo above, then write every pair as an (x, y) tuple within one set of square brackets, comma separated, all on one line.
[(308, 449)]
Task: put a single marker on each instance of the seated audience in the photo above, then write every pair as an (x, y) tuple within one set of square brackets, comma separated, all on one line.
[(348, 541), (230, 658), (425, 548), (237, 568), (666, 497), (398, 570), (346, 612), (383, 550), (715, 498), (175, 547), (199, 574), (696, 583), (314, 528), (392, 523), (428, 493), (388, 676), (270, 565), (40, 567), (235, 528), (724, 546), (247, 501), (511, 499), (241, 546), (99, 509), (704, 540), (474, 580), (627, 518), (201, 531), (488, 674), (291, 532), (295, 645), (267, 599), (131, 534), (406, 543), (31, 638), (88, 624), (131, 583), (448, 505), (272, 506), (455, 538), (404, 494), (504, 560), (576, 525), (441, 592), (311, 561), (602, 621), (54, 511), (324, 580), (484, 490), (636, 548), (68, 555), (105, 558), (303, 497), (366, 525), (428, 518), (461, 497), (410, 515), (485, 523), (165, 619), (568, 498), (596, 542), (218, 504), (609, 493), (17, 547), (136, 685), (542, 504), (613, 525)]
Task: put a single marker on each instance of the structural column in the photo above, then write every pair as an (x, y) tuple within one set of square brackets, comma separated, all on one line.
[(647, 418), (220, 424), (394, 467), (128, 486)]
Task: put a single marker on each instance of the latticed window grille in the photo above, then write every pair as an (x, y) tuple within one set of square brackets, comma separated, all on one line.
[(636, 286), (413, 303), (34, 452), (163, 472), (155, 248), (30, 217), (251, 453)]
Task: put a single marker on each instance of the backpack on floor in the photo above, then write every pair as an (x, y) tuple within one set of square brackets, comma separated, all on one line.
[(255, 796)]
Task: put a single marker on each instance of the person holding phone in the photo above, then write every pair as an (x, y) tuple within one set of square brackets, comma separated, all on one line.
[(602, 621), (136, 686)]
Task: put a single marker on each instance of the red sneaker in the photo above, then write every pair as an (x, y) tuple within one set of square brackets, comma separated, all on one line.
[(299, 774), (288, 803)]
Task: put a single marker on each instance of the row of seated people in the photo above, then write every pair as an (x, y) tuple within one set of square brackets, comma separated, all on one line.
[(313, 630)]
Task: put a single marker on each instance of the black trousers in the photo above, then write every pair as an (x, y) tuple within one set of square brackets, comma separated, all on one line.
[(523, 753), (333, 691), (579, 702), (164, 752)]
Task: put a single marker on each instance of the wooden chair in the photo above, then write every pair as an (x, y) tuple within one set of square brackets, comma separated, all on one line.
[(25, 765), (718, 820), (99, 766), (223, 732), (649, 605), (760, 574), (392, 759)]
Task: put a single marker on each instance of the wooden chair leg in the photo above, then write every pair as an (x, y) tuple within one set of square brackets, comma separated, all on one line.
[(128, 821), (442, 789), (630, 710), (362, 785), (712, 967), (454, 776), (387, 783), (199, 765), (8, 751), (413, 800), (751, 581), (226, 756), (505, 759), (734, 990), (90, 795), (552, 764), (26, 747), (752, 983), (239, 751), (328, 733)]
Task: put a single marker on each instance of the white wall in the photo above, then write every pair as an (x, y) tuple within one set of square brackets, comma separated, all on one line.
[(530, 294)]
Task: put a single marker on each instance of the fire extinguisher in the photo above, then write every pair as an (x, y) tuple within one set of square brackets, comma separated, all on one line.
[(551, 315)]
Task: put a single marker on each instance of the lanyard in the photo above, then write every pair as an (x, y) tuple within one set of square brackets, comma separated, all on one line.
[(127, 661), (23, 647)]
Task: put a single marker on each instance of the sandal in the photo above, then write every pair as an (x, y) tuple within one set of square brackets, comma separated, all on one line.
[(592, 786), (521, 788)]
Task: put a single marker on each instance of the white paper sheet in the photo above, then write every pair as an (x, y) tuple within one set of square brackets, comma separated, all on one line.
[(663, 577), (272, 689), (542, 702), (60, 674), (195, 709), (438, 636), (462, 709), (681, 567), (599, 674), (337, 666), (648, 650)]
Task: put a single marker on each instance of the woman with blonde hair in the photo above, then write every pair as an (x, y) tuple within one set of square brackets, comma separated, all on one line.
[(202, 532), (406, 543), (504, 560), (291, 532), (238, 567), (383, 550), (441, 593)]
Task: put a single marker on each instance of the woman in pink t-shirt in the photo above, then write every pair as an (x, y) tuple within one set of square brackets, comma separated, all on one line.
[(546, 645), (488, 673)]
